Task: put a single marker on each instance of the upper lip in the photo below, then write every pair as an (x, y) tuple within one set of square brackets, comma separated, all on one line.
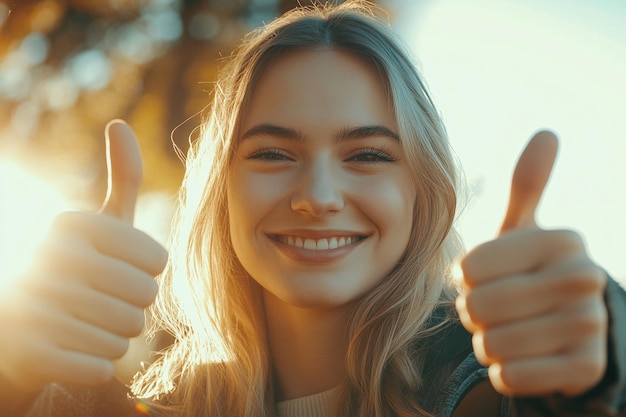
[(317, 233)]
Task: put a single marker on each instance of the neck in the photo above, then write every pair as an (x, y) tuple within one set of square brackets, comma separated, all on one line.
[(307, 347)]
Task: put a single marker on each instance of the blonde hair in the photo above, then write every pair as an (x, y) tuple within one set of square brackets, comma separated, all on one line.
[(219, 364)]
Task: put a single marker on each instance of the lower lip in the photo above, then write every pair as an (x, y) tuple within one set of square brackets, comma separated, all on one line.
[(315, 256)]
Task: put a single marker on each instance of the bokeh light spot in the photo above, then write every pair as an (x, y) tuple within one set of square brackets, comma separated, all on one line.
[(91, 69), (135, 45), (60, 92), (165, 25), (34, 47)]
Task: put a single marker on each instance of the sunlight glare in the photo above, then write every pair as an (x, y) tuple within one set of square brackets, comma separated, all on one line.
[(499, 71), (27, 206)]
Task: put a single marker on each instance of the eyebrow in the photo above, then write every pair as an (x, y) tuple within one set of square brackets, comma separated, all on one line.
[(273, 130), (365, 132), (360, 132)]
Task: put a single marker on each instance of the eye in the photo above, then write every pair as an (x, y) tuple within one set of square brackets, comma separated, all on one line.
[(370, 155), (269, 155)]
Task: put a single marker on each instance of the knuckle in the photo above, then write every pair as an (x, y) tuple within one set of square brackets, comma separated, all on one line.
[(102, 372), (119, 348), (567, 239), (507, 375), (161, 259), (135, 324), (474, 302), (588, 274), (67, 220), (62, 220), (151, 292), (468, 267), (147, 293), (466, 320), (154, 254), (597, 276), (488, 346), (479, 348)]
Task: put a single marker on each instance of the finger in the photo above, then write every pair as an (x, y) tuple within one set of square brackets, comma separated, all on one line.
[(568, 374), (98, 309), (529, 180), (527, 295), (540, 336), (75, 368), (63, 367), (58, 329), (115, 278), (125, 171), (110, 237), (503, 256)]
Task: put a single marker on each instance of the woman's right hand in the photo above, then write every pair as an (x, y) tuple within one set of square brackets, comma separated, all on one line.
[(72, 313)]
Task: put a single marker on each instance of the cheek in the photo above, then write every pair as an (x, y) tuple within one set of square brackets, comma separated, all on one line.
[(251, 197), (238, 200), (389, 202)]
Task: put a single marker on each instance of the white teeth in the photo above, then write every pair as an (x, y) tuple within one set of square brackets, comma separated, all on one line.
[(322, 244), (319, 244)]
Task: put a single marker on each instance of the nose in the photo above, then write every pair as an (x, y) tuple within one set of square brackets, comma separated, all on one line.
[(317, 192)]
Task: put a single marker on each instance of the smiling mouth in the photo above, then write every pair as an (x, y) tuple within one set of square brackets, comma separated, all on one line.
[(333, 242)]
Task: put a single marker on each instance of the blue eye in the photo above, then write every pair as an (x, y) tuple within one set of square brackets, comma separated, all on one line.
[(372, 156), (269, 155)]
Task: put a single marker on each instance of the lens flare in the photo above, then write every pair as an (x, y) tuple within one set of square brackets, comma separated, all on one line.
[(142, 408)]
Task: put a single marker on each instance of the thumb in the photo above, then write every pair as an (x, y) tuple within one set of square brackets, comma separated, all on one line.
[(125, 171), (529, 180)]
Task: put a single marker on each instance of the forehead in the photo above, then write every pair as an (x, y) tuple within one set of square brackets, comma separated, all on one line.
[(324, 85)]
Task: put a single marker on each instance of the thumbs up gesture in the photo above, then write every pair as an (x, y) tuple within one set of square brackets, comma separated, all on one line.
[(73, 311), (533, 299)]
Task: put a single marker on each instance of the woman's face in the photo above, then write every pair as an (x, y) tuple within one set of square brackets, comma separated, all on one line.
[(320, 195)]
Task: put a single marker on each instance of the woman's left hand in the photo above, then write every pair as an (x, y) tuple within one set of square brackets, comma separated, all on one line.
[(533, 298)]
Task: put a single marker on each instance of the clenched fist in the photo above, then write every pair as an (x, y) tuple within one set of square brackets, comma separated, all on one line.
[(73, 311), (533, 298)]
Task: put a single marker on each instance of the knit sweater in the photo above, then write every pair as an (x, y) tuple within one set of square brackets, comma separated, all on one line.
[(316, 405)]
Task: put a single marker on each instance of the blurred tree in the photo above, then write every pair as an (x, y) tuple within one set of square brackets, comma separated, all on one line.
[(69, 66)]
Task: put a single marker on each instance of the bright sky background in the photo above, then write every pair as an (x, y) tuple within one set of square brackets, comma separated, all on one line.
[(499, 71)]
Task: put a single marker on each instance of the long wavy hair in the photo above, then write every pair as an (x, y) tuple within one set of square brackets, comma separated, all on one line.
[(219, 364)]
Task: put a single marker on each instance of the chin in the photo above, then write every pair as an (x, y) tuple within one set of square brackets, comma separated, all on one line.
[(330, 300)]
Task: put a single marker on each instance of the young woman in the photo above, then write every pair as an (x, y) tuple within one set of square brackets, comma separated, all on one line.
[(311, 269)]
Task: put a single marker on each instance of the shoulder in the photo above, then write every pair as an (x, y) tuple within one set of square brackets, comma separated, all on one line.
[(448, 346), (450, 369)]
